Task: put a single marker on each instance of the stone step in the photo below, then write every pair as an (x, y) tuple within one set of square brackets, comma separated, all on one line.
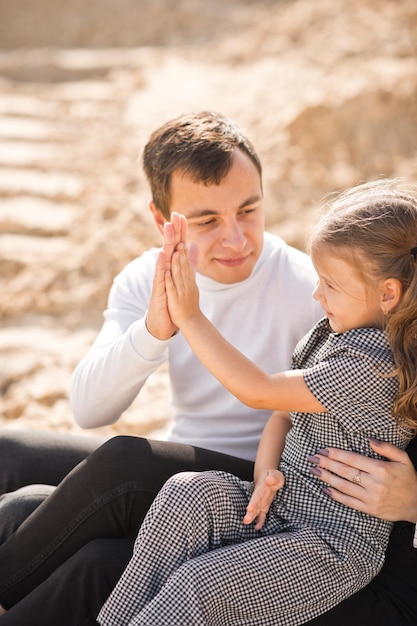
[(26, 249), (49, 113), (46, 184), (36, 216), (23, 154), (40, 65), (27, 129), (17, 104), (89, 90)]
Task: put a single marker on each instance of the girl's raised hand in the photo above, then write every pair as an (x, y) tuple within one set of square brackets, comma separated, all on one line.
[(263, 494), (175, 232)]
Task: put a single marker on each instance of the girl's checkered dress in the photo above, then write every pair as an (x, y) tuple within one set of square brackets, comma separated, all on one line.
[(195, 563)]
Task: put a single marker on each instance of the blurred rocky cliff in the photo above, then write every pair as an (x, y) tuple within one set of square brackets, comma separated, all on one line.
[(326, 89)]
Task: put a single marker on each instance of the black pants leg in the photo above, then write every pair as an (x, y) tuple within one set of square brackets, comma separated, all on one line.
[(32, 463), (16, 506), (105, 496), (32, 457), (74, 593)]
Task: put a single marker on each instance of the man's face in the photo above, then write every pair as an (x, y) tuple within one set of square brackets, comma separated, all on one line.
[(225, 221)]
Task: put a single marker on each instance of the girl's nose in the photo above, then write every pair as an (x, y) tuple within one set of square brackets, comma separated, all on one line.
[(317, 293)]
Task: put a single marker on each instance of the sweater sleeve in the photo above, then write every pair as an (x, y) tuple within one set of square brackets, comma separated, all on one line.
[(124, 355)]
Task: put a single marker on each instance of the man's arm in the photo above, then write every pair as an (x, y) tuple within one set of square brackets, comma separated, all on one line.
[(385, 489), (132, 342)]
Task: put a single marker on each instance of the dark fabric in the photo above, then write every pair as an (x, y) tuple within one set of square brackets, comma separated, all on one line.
[(391, 598), (75, 592), (30, 457), (72, 594), (17, 505), (105, 496)]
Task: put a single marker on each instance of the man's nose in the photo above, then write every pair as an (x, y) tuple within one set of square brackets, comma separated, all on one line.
[(233, 236)]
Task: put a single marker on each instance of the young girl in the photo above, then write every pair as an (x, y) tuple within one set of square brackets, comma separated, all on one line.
[(199, 559)]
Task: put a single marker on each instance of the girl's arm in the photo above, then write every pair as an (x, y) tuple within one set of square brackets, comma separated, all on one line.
[(268, 479), (286, 391), (271, 444)]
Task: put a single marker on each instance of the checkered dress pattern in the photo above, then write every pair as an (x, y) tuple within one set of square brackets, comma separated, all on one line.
[(195, 563)]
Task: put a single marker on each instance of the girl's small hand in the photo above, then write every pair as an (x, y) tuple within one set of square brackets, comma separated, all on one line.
[(181, 287), (263, 494), (175, 232)]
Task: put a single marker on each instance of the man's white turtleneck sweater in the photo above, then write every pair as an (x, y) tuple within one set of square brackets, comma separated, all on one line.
[(263, 316)]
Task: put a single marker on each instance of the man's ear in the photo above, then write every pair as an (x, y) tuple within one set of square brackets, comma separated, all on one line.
[(158, 217), (391, 294)]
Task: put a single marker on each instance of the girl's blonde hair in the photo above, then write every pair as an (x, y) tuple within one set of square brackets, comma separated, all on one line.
[(374, 226)]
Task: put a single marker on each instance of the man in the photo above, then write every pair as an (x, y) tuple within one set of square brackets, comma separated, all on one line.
[(255, 288)]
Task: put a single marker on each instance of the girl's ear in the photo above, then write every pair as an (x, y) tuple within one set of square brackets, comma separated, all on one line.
[(391, 294), (158, 218)]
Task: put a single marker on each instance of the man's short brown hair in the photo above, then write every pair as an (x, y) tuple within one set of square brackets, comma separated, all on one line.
[(199, 144)]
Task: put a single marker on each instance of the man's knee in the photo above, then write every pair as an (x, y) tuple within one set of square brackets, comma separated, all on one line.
[(118, 453), (17, 505), (30, 457), (11, 454)]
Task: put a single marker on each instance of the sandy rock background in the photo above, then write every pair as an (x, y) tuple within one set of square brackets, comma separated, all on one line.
[(327, 90)]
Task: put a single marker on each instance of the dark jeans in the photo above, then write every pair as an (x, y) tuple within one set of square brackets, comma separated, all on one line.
[(32, 457), (105, 496), (76, 591), (61, 564)]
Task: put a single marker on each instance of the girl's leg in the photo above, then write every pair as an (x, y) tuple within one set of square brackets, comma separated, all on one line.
[(283, 579), (194, 562), (391, 598), (192, 515), (105, 496)]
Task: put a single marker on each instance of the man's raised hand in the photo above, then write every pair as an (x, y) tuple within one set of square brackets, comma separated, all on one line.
[(158, 320)]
